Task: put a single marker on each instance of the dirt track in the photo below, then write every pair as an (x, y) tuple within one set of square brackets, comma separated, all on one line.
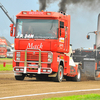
[(10, 87)]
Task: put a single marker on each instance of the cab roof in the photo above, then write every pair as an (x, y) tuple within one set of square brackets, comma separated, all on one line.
[(41, 14)]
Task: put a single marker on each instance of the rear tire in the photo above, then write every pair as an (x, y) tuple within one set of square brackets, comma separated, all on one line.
[(59, 76), (20, 77), (77, 78)]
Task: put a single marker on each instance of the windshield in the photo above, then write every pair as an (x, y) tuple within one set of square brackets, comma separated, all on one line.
[(36, 28), (2, 45)]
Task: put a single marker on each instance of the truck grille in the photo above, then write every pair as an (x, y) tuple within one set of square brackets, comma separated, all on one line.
[(35, 57), (2, 51)]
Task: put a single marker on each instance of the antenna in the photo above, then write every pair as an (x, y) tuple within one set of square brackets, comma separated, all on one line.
[(6, 12)]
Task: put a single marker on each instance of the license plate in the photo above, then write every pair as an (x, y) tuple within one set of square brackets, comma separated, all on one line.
[(33, 65), (33, 68)]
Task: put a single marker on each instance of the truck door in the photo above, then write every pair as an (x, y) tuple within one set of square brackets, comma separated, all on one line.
[(62, 37)]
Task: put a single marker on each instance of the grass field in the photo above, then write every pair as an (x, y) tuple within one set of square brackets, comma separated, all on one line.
[(78, 97), (6, 68)]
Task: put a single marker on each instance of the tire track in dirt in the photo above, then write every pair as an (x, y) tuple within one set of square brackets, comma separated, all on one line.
[(11, 87), (59, 92)]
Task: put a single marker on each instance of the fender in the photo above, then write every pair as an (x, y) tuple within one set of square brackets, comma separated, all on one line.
[(61, 62)]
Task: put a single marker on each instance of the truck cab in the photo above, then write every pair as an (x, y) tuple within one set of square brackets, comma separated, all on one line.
[(42, 41), (3, 48)]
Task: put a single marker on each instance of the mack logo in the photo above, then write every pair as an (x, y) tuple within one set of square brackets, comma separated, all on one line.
[(31, 45)]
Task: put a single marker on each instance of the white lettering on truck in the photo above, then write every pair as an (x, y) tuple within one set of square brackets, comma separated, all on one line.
[(31, 45)]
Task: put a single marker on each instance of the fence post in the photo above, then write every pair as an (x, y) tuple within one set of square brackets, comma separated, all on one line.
[(4, 64)]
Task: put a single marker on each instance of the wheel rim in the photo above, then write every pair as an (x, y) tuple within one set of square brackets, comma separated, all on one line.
[(78, 76), (60, 74)]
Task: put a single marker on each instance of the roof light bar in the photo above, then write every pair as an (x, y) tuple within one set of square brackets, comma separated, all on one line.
[(24, 12), (48, 13)]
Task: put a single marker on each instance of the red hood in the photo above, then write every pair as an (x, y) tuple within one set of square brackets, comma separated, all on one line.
[(43, 45), (3, 49)]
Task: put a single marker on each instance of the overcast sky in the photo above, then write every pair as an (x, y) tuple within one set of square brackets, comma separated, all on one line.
[(83, 19)]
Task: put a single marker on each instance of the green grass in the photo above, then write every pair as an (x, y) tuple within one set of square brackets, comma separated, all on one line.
[(7, 68), (78, 97)]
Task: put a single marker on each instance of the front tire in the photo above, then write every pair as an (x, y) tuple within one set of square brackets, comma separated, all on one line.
[(20, 77), (59, 76), (77, 78)]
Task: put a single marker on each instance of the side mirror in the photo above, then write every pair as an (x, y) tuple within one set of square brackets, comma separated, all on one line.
[(88, 36), (11, 30)]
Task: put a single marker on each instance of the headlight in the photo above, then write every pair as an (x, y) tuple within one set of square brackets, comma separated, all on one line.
[(17, 69), (21, 69), (17, 58), (50, 56), (18, 54), (49, 60)]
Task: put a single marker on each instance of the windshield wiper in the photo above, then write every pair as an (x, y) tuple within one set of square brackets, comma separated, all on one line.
[(52, 25)]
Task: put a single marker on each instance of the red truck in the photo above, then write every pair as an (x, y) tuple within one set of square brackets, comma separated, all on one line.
[(42, 46), (3, 48)]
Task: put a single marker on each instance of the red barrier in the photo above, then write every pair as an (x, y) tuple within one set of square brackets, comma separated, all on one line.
[(4, 64)]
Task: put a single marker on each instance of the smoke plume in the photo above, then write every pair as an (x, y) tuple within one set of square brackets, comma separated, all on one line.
[(42, 4), (91, 4), (45, 3), (63, 4)]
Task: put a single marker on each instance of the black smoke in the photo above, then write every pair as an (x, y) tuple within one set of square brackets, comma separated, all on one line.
[(91, 4), (63, 4), (44, 3)]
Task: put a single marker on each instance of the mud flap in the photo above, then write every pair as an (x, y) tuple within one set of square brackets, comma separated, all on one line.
[(88, 67), (97, 77)]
